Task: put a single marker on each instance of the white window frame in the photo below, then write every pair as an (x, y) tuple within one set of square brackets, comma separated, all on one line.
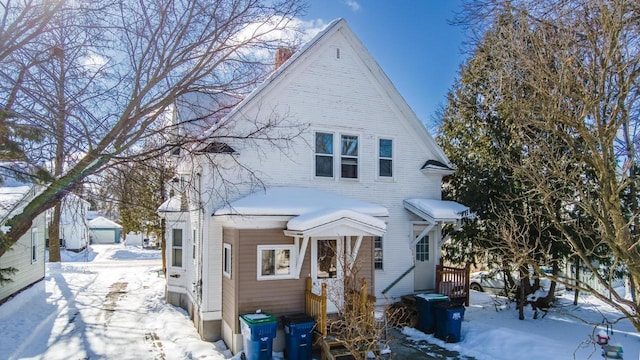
[(356, 157), (227, 260), (332, 155), (381, 253), (292, 262), (34, 245), (174, 247), (393, 150)]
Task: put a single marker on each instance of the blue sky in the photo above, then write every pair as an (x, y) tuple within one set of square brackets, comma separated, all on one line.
[(411, 40)]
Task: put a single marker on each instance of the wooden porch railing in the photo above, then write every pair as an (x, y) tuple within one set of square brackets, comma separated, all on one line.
[(453, 282), (316, 306)]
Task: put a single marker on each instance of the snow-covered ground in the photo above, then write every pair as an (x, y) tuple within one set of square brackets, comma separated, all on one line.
[(491, 330), (108, 303)]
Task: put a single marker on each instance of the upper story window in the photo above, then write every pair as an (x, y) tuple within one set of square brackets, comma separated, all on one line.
[(349, 157), (324, 154), (385, 158), (176, 248)]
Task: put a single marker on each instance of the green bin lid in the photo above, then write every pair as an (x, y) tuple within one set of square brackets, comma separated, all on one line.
[(258, 318)]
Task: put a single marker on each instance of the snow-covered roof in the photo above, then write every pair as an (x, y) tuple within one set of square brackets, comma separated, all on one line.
[(102, 223), (438, 210), (11, 196), (295, 201), (171, 205), (325, 216)]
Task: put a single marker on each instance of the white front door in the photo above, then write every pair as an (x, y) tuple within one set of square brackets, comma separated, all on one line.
[(425, 270), (326, 268)]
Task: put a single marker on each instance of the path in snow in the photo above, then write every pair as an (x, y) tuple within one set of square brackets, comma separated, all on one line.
[(109, 308)]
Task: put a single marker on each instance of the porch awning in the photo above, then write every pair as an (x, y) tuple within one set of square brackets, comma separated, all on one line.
[(335, 222), (437, 210)]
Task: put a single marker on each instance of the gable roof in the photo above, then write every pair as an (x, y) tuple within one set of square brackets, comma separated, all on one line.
[(102, 222), (340, 25)]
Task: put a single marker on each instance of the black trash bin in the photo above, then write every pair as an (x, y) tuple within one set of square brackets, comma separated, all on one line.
[(298, 331), (258, 331), (424, 305), (449, 316)]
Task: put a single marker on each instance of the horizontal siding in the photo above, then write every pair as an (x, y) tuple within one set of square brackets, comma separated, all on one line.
[(230, 286), (277, 297), (19, 257)]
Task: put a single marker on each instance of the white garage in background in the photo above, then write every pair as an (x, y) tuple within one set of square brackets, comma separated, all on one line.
[(104, 231)]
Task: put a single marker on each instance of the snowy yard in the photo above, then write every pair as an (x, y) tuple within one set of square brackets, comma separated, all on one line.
[(108, 303), (104, 304)]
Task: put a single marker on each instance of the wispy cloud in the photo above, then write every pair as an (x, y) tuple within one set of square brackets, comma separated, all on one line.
[(353, 4)]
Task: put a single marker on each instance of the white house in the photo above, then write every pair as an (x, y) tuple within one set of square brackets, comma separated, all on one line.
[(27, 255), (74, 229), (250, 221), (104, 231)]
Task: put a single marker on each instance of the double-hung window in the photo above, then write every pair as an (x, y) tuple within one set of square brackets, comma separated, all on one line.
[(377, 253), (324, 154), (349, 156), (176, 248), (275, 262), (385, 158)]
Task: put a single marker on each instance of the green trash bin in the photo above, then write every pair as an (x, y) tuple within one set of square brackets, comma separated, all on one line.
[(424, 305), (449, 316), (258, 331)]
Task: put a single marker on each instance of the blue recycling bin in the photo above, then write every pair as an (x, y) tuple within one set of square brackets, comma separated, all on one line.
[(298, 333), (448, 316), (424, 305), (258, 331)]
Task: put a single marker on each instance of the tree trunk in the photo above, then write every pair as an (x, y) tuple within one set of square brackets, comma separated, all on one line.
[(576, 292), (54, 235)]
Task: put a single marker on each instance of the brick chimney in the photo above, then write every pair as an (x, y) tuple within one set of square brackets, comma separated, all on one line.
[(282, 55)]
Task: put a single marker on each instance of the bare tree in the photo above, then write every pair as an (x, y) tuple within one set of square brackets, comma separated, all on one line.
[(579, 62), (152, 54)]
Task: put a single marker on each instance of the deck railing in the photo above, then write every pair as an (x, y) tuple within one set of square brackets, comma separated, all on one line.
[(316, 306), (453, 282)]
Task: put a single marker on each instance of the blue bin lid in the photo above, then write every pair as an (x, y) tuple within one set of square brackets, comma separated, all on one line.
[(297, 319)]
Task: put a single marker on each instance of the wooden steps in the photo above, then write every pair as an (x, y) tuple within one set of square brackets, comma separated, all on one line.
[(332, 349)]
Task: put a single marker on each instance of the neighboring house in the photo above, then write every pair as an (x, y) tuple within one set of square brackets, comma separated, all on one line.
[(104, 231), (134, 238), (362, 182), (74, 229), (27, 255)]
